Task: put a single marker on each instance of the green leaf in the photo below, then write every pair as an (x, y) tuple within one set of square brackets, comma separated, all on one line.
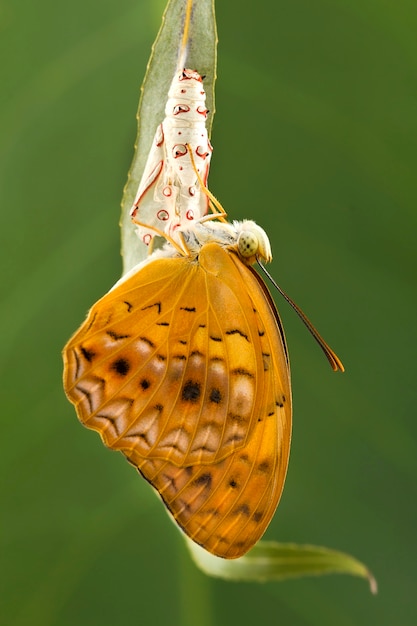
[(167, 54), (269, 561), (188, 38)]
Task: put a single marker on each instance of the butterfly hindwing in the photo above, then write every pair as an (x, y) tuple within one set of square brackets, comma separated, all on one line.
[(226, 506)]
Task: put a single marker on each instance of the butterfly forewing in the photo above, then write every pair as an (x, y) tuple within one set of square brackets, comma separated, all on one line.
[(166, 367), (183, 368)]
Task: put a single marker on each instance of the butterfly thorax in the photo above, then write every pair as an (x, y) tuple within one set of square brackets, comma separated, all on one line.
[(246, 239)]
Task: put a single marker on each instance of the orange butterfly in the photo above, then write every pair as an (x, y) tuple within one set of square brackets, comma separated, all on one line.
[(183, 367)]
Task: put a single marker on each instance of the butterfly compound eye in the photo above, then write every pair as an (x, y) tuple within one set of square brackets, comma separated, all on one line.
[(252, 242), (247, 243)]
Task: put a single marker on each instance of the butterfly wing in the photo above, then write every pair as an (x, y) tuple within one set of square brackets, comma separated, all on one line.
[(183, 368), (227, 506)]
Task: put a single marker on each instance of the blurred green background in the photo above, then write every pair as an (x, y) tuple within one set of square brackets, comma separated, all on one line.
[(315, 138)]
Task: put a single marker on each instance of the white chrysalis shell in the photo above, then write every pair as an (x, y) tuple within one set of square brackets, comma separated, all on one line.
[(169, 195)]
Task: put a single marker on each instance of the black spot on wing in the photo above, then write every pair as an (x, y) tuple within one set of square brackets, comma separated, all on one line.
[(87, 354), (147, 341), (280, 401), (155, 304), (191, 391), (236, 331), (235, 417), (264, 467), (203, 480), (243, 509), (121, 366), (116, 336), (240, 371), (215, 396), (266, 359)]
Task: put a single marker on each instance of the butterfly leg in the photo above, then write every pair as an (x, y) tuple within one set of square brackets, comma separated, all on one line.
[(216, 207)]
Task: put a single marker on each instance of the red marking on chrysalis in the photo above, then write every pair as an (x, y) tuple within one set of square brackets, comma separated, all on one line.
[(179, 150), (150, 180), (168, 188), (201, 152), (180, 108), (189, 74), (163, 215), (159, 136)]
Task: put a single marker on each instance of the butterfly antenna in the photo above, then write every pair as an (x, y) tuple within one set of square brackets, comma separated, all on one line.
[(332, 357), (215, 205)]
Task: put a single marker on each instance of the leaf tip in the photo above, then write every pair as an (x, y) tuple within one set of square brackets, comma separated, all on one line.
[(373, 585)]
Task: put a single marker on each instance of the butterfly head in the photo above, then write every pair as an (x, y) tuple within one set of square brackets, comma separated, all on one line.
[(252, 242)]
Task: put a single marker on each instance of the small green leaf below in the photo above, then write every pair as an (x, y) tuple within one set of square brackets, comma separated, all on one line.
[(269, 561)]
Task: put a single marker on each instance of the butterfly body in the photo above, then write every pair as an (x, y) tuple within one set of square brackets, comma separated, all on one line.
[(183, 367), (169, 194)]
